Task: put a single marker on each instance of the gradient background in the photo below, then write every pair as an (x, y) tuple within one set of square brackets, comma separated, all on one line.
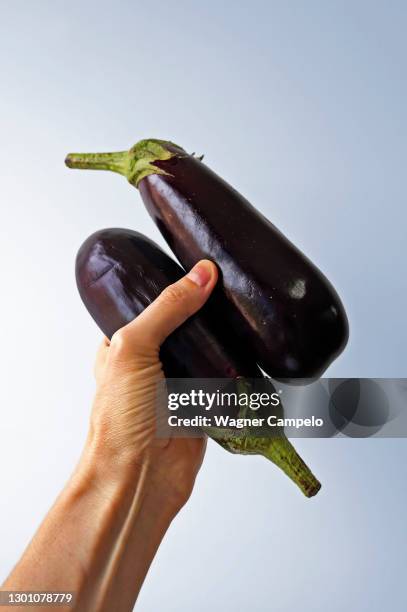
[(301, 106)]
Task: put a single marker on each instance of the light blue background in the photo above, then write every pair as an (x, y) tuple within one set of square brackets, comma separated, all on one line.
[(301, 106)]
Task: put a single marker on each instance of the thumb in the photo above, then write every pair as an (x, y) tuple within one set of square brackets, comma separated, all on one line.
[(172, 307)]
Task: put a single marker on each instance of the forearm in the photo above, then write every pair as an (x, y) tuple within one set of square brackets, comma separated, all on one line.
[(99, 538)]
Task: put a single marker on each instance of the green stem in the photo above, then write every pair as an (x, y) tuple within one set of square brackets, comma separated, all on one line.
[(281, 452), (134, 164), (115, 162), (278, 449)]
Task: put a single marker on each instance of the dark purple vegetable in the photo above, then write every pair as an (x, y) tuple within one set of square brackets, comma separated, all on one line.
[(276, 299), (119, 273)]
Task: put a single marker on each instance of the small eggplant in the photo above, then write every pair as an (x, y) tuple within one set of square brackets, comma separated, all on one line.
[(119, 272), (277, 301)]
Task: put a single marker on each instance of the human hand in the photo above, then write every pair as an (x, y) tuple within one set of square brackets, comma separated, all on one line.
[(128, 370), (113, 513)]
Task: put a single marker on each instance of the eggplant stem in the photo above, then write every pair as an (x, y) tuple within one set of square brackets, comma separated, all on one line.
[(280, 451), (277, 449), (115, 162), (135, 164)]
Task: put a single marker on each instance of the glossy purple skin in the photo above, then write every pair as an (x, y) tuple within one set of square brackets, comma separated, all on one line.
[(119, 272), (279, 303)]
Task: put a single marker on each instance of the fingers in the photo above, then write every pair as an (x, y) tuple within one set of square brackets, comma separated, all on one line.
[(175, 304)]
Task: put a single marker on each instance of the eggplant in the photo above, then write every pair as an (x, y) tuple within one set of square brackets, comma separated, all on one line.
[(119, 272), (277, 301)]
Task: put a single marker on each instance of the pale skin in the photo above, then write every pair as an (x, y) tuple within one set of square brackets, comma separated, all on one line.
[(104, 529)]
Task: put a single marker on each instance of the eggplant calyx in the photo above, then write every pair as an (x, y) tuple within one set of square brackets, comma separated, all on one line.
[(134, 164)]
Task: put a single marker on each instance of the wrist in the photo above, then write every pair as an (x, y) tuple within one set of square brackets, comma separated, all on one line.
[(121, 477)]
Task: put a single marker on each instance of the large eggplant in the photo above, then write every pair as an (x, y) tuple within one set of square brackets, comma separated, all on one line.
[(279, 303), (120, 272)]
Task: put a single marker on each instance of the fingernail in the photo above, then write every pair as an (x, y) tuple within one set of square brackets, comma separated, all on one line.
[(201, 273)]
